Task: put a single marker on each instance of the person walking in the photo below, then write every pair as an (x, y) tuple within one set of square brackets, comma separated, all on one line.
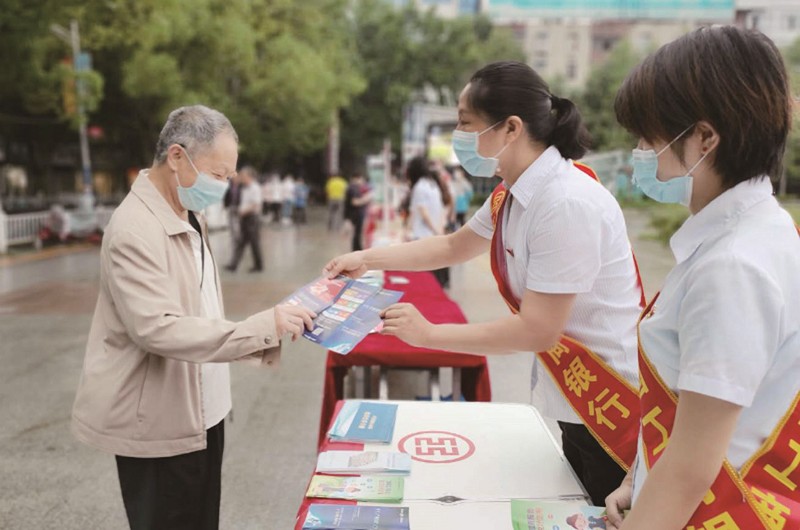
[(287, 199), (335, 190), (249, 221), (561, 259), (301, 192), (231, 202), (357, 199), (155, 384), (719, 347)]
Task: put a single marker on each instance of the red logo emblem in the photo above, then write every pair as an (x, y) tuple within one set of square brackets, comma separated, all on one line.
[(437, 447)]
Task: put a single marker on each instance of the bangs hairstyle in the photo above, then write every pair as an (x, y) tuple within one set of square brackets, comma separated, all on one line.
[(733, 79)]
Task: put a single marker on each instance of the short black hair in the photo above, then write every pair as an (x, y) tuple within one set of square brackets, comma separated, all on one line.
[(511, 88), (732, 78)]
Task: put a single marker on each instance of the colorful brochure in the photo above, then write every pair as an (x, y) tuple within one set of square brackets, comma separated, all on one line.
[(363, 462), (557, 515), (351, 517), (347, 310), (364, 421), (367, 489)]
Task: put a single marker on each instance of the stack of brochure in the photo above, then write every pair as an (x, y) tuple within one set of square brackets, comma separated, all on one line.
[(556, 515), (363, 462), (349, 517), (364, 421), (365, 489)]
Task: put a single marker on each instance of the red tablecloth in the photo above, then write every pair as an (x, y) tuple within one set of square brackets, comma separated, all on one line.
[(425, 293)]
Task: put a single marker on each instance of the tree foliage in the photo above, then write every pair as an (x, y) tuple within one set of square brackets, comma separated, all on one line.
[(403, 51), (597, 99)]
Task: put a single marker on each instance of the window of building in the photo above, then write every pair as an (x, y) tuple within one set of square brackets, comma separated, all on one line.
[(791, 22), (572, 71)]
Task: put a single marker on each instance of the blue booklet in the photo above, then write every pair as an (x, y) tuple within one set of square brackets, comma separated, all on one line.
[(347, 310), (364, 421), (351, 517)]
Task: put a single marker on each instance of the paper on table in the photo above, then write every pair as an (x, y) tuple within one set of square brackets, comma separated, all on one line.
[(363, 462)]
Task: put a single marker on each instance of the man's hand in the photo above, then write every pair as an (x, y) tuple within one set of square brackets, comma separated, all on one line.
[(405, 322), (617, 502), (293, 319), (352, 265)]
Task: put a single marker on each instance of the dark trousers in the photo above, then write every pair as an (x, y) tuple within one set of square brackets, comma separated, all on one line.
[(358, 231), (177, 492), (598, 472), (249, 234), (443, 277)]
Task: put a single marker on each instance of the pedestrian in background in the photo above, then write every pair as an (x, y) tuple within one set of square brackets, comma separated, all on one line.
[(463, 193), (287, 199), (231, 202), (249, 221), (357, 199), (155, 385), (335, 189), (301, 192)]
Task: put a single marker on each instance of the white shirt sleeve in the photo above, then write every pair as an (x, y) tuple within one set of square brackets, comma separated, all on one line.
[(565, 248), (728, 329), (481, 222)]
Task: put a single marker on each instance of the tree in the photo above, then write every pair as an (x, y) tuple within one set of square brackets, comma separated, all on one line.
[(597, 100), (401, 52), (791, 159), (279, 69)]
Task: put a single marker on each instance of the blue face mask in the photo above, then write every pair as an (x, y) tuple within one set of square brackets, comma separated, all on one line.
[(465, 145), (205, 191), (645, 170)]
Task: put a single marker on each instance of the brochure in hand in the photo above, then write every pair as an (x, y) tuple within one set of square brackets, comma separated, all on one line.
[(350, 517), (367, 489), (557, 515), (347, 310), (364, 421), (363, 462)]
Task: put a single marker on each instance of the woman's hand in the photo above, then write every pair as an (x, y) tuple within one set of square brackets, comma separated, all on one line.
[(352, 265), (618, 502), (405, 322), (293, 319)]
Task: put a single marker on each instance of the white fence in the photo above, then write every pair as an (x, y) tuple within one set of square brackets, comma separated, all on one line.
[(19, 229)]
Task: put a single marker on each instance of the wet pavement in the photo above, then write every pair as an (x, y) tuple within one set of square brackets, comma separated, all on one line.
[(50, 481)]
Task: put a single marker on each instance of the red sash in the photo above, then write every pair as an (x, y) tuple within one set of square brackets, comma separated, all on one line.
[(766, 494), (606, 403)]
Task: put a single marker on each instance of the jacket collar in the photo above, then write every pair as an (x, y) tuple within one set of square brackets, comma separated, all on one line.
[(146, 191), (717, 215)]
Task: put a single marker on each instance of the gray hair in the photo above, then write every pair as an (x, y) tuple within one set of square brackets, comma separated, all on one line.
[(193, 127)]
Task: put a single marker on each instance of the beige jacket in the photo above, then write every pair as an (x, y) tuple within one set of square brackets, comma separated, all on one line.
[(140, 393)]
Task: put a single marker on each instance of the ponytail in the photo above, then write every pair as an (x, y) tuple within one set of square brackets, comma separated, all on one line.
[(569, 134)]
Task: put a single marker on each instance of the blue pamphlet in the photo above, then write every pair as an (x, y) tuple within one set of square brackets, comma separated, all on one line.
[(350, 517), (364, 421), (347, 310)]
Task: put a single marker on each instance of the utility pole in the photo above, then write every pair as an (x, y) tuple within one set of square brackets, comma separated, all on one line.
[(80, 62)]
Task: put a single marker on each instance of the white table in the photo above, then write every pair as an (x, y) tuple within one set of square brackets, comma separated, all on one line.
[(478, 452)]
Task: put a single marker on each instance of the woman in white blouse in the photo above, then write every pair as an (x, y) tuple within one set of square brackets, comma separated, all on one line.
[(565, 266), (721, 344)]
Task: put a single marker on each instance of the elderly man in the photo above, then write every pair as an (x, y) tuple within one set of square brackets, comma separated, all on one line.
[(155, 387)]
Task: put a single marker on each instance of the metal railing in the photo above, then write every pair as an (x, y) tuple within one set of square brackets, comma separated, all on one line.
[(22, 228)]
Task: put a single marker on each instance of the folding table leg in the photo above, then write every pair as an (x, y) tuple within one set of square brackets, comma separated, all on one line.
[(383, 384), (436, 395), (367, 370), (456, 384)]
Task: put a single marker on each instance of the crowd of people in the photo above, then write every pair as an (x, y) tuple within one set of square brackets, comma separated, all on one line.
[(681, 412)]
